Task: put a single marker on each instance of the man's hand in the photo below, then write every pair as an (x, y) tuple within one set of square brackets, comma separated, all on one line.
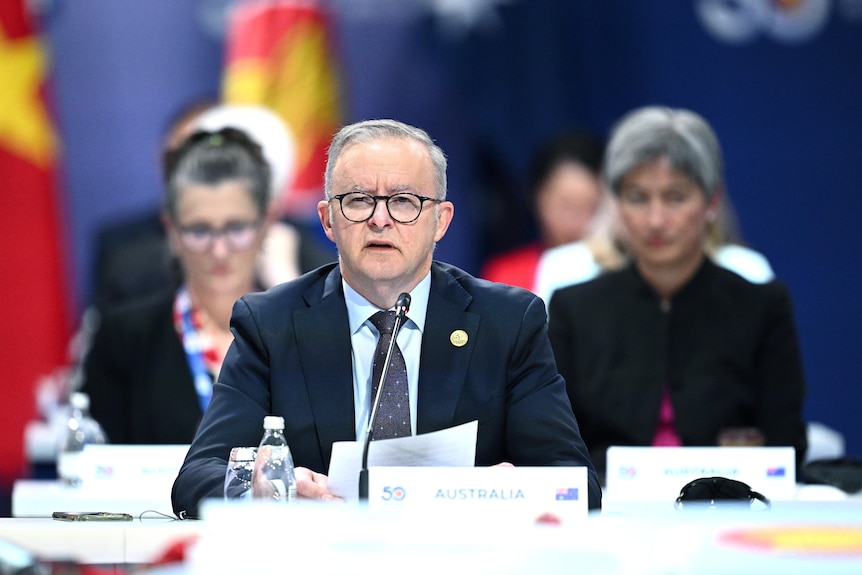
[(311, 485)]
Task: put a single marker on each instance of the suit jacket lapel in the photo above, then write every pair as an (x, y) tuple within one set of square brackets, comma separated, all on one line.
[(443, 364), (323, 338)]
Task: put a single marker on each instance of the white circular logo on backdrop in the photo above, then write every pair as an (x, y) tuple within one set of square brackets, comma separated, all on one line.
[(741, 21)]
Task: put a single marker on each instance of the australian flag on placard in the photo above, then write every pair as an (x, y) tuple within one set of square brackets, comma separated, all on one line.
[(567, 494), (776, 472)]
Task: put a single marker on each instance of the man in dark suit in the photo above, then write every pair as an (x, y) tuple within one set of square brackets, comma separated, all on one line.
[(473, 350)]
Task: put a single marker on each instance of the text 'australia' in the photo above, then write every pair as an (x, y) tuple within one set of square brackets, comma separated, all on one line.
[(473, 493)]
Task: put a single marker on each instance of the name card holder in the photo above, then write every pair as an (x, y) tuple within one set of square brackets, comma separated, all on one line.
[(148, 468), (526, 491), (658, 473)]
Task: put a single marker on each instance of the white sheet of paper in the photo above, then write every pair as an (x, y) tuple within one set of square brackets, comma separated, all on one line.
[(453, 447)]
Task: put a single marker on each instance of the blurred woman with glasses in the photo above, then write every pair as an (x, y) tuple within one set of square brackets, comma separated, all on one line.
[(152, 364)]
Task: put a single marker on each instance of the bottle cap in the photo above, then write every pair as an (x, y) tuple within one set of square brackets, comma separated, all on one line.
[(273, 422), (79, 400)]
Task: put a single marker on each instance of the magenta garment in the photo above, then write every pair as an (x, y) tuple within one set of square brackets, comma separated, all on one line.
[(665, 434)]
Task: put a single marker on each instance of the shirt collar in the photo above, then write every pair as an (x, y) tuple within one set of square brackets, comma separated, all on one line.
[(360, 309)]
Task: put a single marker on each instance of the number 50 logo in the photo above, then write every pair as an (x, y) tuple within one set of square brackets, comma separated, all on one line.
[(393, 494), (742, 21)]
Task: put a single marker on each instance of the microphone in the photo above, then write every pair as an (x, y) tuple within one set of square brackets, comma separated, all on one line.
[(402, 306)]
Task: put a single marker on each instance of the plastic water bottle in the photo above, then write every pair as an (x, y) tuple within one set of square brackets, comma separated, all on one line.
[(80, 430), (273, 476)]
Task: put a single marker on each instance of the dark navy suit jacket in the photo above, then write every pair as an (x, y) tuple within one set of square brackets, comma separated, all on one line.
[(292, 357), (137, 376)]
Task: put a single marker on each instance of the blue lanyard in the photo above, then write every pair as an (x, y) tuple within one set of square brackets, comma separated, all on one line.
[(194, 348)]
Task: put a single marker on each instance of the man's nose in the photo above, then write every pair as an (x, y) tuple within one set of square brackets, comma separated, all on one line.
[(380, 216)]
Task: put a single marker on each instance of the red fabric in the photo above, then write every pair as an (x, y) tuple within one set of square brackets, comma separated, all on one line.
[(213, 357), (281, 55), (176, 552), (36, 306), (516, 267), (665, 435)]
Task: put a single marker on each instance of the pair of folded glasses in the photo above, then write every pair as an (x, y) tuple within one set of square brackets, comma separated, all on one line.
[(710, 492)]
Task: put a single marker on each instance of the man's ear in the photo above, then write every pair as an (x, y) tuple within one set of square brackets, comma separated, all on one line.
[(446, 211), (324, 214)]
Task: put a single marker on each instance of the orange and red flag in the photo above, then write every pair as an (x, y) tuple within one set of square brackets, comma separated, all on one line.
[(280, 54)]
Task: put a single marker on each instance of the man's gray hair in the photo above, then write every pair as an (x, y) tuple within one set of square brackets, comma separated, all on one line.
[(369, 130)]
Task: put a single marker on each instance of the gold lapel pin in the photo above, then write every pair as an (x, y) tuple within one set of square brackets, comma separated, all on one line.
[(459, 338)]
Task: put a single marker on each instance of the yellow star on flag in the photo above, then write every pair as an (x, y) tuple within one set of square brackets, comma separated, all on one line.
[(25, 128)]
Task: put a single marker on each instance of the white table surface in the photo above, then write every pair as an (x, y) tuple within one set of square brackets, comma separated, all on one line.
[(638, 539), (41, 498), (114, 542)]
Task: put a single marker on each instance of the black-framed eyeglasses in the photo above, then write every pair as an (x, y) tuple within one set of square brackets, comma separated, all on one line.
[(403, 207), (200, 237)]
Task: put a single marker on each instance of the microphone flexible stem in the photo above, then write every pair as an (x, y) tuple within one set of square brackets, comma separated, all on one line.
[(402, 305)]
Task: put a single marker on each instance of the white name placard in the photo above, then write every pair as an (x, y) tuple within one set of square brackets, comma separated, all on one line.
[(143, 466), (658, 473), (529, 491)]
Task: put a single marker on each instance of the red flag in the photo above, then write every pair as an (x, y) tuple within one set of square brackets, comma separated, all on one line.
[(33, 291), (280, 55)]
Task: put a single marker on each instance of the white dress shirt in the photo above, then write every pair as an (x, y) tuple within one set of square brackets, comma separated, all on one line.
[(363, 339)]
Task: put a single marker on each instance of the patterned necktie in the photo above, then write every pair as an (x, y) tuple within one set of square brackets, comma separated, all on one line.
[(393, 413)]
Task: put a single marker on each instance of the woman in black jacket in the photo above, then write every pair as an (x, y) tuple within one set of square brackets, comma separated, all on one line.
[(672, 349)]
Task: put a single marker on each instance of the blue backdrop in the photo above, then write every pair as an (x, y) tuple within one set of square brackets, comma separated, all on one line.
[(489, 79)]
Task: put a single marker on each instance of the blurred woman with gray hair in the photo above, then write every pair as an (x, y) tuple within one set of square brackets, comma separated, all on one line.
[(153, 359), (673, 349)]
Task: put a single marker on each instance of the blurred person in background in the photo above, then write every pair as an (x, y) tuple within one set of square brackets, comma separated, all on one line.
[(132, 256), (573, 162), (673, 349), (291, 247), (605, 249), (152, 362), (565, 190)]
